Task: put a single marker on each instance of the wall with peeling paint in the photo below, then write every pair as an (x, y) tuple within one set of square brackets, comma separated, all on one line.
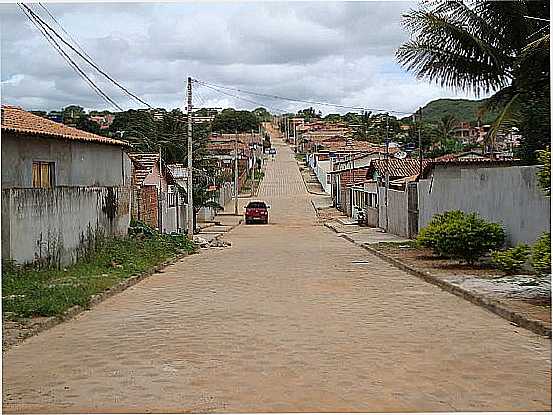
[(59, 225)]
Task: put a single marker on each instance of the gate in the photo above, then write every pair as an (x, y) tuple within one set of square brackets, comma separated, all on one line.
[(412, 210)]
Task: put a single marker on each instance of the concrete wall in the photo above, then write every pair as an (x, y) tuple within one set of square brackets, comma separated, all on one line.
[(397, 211), (508, 195), (372, 217), (59, 225), (321, 170), (77, 163)]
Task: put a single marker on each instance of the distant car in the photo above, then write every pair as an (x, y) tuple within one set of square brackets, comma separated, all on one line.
[(257, 211)]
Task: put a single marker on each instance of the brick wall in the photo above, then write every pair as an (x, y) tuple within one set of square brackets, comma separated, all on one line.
[(348, 178), (145, 205)]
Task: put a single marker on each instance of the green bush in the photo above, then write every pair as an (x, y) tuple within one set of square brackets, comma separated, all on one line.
[(541, 254), (511, 260), (460, 235)]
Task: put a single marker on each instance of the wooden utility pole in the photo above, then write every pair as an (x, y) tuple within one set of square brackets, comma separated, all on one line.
[(236, 172), (189, 163)]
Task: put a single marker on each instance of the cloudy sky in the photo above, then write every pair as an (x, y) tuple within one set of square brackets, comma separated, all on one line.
[(338, 52)]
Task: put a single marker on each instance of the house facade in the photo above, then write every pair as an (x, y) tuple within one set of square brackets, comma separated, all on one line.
[(156, 199), (62, 188)]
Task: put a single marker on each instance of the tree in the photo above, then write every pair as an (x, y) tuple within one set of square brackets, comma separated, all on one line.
[(482, 46), (544, 174), (309, 113), (229, 120), (333, 118), (72, 114), (262, 114), (443, 136)]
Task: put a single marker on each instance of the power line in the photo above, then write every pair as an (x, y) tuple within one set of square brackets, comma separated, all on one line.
[(68, 59), (301, 100), (244, 99), (64, 31), (89, 61)]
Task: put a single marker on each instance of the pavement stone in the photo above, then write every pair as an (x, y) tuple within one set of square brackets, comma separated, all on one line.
[(289, 319)]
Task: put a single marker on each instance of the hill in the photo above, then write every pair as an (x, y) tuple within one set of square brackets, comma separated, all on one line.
[(462, 109)]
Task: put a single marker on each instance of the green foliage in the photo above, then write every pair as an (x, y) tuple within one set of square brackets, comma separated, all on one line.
[(544, 174), (309, 114), (229, 121), (511, 260), (487, 46), (541, 254), (31, 291), (262, 114), (456, 234), (535, 124), (462, 109)]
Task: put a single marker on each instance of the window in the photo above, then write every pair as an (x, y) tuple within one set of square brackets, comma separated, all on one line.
[(172, 199), (256, 205), (43, 174)]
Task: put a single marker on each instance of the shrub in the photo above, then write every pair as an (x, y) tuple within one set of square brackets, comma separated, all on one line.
[(541, 254), (456, 234), (511, 260)]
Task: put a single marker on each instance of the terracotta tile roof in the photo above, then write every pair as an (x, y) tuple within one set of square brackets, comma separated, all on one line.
[(143, 164), (17, 120), (397, 167), (470, 155)]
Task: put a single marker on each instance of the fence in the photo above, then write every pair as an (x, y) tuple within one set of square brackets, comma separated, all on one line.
[(59, 225)]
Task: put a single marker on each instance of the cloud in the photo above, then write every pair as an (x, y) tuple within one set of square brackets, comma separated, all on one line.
[(340, 52)]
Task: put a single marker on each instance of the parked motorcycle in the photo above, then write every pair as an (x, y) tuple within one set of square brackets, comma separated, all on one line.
[(361, 219)]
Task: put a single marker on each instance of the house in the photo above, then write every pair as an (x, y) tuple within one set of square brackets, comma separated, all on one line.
[(372, 196), (156, 199), (62, 188)]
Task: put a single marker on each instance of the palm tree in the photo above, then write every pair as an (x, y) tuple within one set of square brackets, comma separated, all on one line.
[(483, 47), (443, 132)]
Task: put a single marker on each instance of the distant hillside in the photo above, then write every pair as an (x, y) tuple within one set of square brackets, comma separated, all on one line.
[(462, 109)]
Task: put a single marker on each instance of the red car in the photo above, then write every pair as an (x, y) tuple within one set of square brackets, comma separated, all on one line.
[(257, 212)]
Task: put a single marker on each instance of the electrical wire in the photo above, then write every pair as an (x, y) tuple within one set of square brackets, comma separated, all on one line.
[(89, 61), (70, 61), (245, 99), (301, 100), (63, 29)]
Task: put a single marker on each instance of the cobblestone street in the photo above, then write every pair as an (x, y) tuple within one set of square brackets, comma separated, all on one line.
[(290, 318)]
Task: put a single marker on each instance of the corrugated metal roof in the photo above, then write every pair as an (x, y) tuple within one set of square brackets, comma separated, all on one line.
[(17, 120)]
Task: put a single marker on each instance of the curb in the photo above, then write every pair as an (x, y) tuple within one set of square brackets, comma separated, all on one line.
[(496, 307), (94, 300), (305, 184)]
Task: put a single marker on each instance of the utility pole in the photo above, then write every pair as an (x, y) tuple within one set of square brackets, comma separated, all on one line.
[(420, 142), (189, 163), (236, 172), (387, 175), (253, 165)]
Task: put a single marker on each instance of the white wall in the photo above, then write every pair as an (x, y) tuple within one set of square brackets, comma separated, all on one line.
[(321, 170), (508, 195), (397, 211)]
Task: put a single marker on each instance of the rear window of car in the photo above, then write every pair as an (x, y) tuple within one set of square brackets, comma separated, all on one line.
[(256, 205)]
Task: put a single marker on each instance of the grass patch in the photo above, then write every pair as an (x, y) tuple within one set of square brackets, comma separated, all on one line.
[(29, 291), (300, 157)]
